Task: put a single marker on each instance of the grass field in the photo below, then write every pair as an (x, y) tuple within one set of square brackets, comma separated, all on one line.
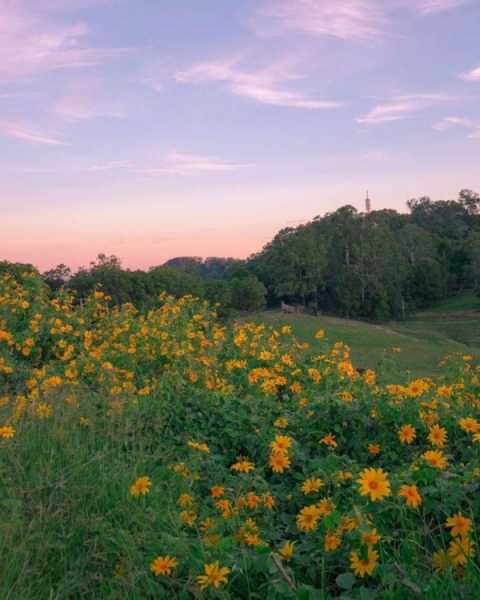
[(450, 327)]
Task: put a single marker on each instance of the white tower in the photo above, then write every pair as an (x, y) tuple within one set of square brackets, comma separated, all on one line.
[(368, 204)]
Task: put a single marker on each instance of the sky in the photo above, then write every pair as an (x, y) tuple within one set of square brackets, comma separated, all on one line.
[(151, 129)]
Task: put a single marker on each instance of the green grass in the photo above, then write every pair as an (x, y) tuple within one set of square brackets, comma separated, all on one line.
[(449, 328)]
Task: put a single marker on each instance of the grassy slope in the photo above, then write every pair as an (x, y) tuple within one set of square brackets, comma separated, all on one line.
[(452, 327)]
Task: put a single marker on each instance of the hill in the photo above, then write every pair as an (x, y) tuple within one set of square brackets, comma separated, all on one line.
[(424, 340)]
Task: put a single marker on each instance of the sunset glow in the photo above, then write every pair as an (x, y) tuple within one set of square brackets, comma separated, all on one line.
[(151, 130)]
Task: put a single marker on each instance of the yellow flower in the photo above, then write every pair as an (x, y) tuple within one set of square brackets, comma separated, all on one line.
[(243, 466), (325, 507), (319, 334), (279, 462), (252, 539), (329, 440), (407, 434), (287, 550), (314, 375), (459, 525), (348, 523), (441, 561), (44, 410), (370, 538), (460, 550), (225, 507), (141, 487), (201, 446), (281, 422), (215, 576), (268, 501), (188, 517), (252, 500), (308, 517), (374, 449), (374, 483), (332, 541), (469, 424), (437, 436), (344, 475), (217, 491), (281, 443), (364, 567), (163, 565), (435, 458), (311, 486), (411, 495), (185, 500), (7, 432)]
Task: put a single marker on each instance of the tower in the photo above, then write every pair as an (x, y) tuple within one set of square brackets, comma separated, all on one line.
[(368, 205)]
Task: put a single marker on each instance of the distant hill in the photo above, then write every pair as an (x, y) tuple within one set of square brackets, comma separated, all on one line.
[(448, 328)]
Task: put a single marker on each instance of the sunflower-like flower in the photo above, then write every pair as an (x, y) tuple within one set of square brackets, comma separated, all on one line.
[(374, 483), (141, 487), (407, 434), (215, 576), (411, 495), (459, 525), (163, 565), (437, 436), (362, 567), (436, 459)]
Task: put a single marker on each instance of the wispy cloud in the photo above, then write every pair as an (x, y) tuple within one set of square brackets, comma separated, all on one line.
[(473, 75), (473, 127), (21, 132), (86, 99), (428, 7), (111, 165), (401, 107), (174, 163), (344, 19), (261, 85), (177, 163), (31, 46)]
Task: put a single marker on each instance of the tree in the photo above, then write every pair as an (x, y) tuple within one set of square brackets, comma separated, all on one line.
[(470, 200), (57, 277), (248, 293), (473, 252)]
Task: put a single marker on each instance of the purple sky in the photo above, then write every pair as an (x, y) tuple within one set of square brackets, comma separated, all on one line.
[(153, 129)]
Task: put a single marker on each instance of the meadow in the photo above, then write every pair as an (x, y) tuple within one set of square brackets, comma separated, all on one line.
[(422, 341), (168, 455)]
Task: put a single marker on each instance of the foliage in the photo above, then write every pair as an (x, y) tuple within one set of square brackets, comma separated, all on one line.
[(162, 454), (378, 265)]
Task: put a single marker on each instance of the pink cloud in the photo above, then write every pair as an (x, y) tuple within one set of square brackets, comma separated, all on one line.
[(473, 75), (447, 123), (345, 19), (29, 46), (177, 163), (263, 85), (359, 20), (427, 7), (20, 132), (401, 107)]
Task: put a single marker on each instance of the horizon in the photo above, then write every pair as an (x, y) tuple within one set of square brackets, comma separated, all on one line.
[(151, 133)]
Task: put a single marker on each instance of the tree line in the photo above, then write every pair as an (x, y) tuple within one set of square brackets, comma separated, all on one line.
[(378, 265)]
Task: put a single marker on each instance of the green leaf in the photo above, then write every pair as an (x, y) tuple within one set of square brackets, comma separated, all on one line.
[(346, 581)]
